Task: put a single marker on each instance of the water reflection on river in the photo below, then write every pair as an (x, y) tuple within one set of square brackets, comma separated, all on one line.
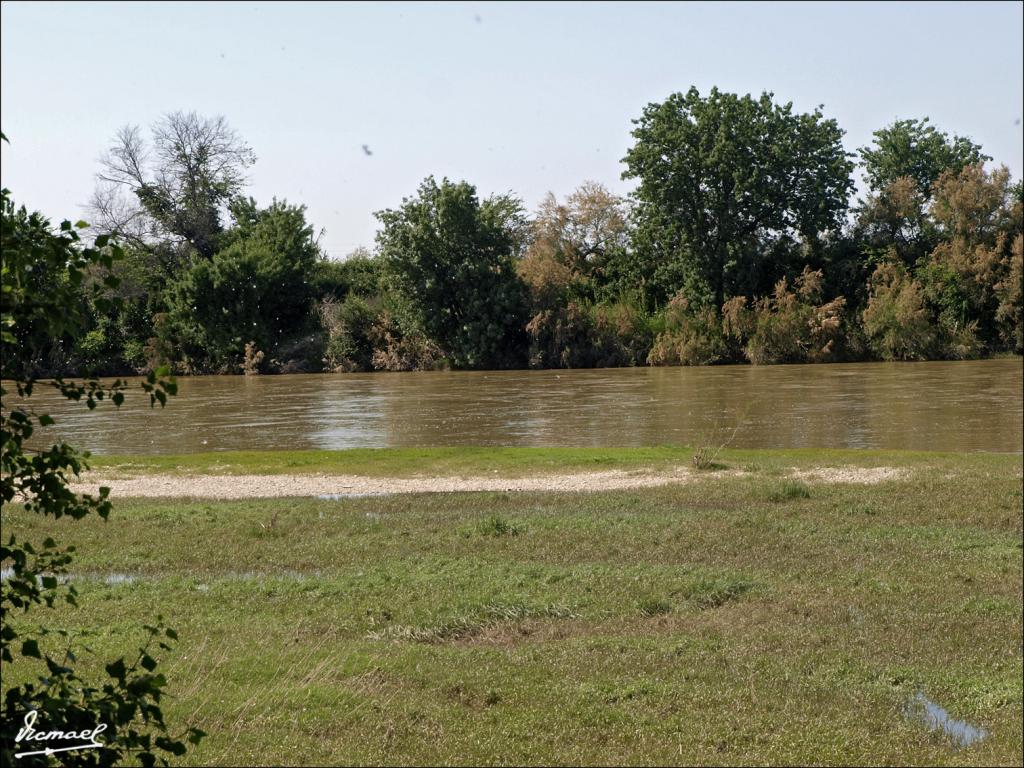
[(954, 406)]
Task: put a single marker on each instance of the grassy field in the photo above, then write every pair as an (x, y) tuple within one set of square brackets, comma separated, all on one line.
[(518, 462), (746, 618)]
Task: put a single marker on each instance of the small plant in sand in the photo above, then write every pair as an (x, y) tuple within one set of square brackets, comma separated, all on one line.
[(704, 457)]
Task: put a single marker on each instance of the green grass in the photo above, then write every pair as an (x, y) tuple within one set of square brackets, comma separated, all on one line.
[(789, 489), (721, 622), (521, 462)]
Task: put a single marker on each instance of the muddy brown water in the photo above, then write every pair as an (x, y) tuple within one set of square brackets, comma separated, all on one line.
[(947, 406)]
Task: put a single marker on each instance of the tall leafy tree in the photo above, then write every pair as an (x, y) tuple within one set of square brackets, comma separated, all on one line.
[(256, 289), (919, 151), (452, 258), (902, 168), (727, 185)]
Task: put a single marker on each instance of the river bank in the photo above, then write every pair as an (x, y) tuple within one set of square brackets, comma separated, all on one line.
[(241, 475)]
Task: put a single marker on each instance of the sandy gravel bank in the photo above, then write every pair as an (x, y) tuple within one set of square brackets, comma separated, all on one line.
[(264, 486)]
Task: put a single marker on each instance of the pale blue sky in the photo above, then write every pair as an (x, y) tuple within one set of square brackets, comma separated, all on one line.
[(525, 97)]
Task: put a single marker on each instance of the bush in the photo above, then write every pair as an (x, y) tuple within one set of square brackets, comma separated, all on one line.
[(561, 337), (691, 336), (581, 335), (1010, 293), (450, 257), (349, 325), (359, 273), (896, 320), (622, 335), (791, 327), (403, 349)]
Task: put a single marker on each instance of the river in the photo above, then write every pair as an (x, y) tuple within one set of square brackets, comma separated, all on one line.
[(947, 406)]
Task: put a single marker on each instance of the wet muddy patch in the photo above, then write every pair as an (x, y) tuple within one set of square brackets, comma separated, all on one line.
[(923, 710)]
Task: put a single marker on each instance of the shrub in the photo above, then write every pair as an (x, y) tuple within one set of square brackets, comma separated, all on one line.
[(792, 327), (451, 257), (560, 337), (252, 360), (622, 335), (896, 320), (349, 326), (581, 335), (403, 349), (359, 273), (692, 336), (1010, 293), (705, 457), (254, 289)]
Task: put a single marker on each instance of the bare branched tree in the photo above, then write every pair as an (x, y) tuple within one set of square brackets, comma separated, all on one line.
[(175, 189)]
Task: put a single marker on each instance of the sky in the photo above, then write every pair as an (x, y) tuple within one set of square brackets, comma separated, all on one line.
[(521, 97)]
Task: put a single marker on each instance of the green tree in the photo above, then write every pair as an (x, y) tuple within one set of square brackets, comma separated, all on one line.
[(256, 289), (902, 169), (452, 258), (895, 220), (725, 184), (128, 700), (916, 150), (358, 273)]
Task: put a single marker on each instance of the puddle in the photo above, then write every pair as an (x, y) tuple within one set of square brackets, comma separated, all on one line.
[(935, 717), (112, 580), (340, 496)]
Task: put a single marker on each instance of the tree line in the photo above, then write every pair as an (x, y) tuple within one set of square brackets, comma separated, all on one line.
[(742, 242)]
